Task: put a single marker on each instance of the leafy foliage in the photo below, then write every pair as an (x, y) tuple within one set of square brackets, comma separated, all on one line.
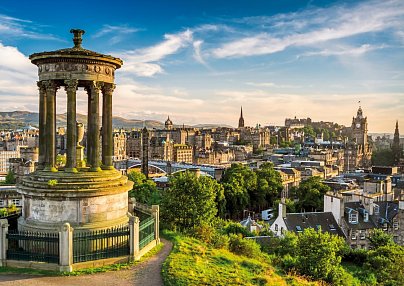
[(189, 201), (144, 191), (10, 178), (383, 157), (310, 194)]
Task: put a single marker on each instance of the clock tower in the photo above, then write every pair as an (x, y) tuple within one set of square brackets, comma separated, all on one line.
[(358, 151), (359, 128)]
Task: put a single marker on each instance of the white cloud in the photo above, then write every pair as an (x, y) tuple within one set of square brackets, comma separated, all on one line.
[(345, 50), (116, 33), (21, 28), (323, 25), (143, 62)]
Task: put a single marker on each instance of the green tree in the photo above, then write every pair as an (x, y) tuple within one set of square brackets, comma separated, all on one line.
[(190, 201), (10, 178), (144, 191), (309, 131), (238, 182), (379, 238), (318, 255), (269, 187), (310, 194), (387, 263), (383, 157)]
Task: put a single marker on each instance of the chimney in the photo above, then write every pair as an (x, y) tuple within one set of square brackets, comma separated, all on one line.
[(282, 210)]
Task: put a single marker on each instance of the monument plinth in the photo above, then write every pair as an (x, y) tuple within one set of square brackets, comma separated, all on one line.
[(88, 196)]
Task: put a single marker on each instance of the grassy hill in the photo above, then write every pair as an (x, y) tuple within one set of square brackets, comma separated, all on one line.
[(192, 262)]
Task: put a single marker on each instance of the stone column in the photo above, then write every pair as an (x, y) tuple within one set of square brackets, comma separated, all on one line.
[(133, 237), (156, 215), (66, 247), (93, 129), (71, 87), (3, 241), (42, 126), (50, 142), (107, 138)]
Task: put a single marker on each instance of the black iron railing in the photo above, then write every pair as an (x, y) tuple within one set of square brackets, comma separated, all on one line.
[(100, 244), (146, 231), (33, 246)]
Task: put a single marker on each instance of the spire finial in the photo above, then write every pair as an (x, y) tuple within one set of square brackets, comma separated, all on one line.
[(77, 37)]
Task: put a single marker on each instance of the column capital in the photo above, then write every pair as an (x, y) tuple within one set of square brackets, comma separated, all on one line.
[(41, 85), (108, 88), (50, 85), (71, 84), (94, 86)]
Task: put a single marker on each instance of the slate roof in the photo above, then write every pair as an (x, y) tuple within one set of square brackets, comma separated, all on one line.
[(387, 211), (297, 222)]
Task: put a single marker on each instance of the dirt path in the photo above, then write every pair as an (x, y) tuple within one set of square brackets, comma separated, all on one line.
[(143, 274)]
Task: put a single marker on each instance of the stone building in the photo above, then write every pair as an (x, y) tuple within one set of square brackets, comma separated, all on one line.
[(183, 153), (134, 144), (5, 157), (119, 145)]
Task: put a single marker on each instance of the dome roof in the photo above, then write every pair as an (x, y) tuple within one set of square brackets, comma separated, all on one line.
[(168, 121), (75, 53)]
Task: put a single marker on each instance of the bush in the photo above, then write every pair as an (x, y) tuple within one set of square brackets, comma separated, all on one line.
[(356, 256), (242, 246), (236, 228)]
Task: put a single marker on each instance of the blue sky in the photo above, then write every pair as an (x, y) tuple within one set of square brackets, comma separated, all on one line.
[(199, 61)]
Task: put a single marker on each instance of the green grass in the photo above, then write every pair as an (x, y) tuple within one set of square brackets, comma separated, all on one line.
[(194, 263), (29, 271)]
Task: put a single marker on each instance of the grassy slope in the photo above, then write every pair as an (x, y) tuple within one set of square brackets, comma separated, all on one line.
[(193, 263)]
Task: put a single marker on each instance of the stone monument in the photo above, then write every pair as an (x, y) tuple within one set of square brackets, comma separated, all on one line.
[(88, 196)]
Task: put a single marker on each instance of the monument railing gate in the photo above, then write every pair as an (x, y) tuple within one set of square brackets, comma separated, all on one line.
[(101, 244), (68, 250), (32, 246)]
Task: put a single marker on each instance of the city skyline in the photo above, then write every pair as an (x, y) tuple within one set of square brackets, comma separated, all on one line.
[(199, 62)]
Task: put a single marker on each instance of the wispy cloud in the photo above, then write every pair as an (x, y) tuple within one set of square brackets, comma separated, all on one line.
[(116, 33), (144, 62), (345, 50), (315, 26), (21, 28)]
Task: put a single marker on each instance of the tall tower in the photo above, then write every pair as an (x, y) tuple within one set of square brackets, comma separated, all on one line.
[(145, 152), (241, 120), (168, 124), (396, 148), (360, 128)]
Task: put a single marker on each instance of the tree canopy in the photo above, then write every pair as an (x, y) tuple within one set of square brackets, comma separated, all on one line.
[(190, 201), (310, 194), (144, 191)]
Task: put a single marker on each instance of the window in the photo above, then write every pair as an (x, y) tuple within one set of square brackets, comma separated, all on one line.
[(353, 217), (298, 228), (362, 234), (318, 227), (376, 209), (2, 203), (353, 235), (385, 226), (366, 217), (16, 202), (395, 225), (276, 227), (332, 227)]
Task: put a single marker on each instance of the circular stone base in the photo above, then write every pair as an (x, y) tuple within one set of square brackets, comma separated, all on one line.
[(86, 200)]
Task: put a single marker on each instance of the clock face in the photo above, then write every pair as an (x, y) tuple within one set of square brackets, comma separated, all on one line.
[(358, 125)]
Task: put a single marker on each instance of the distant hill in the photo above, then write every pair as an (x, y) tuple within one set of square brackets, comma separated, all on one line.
[(18, 119)]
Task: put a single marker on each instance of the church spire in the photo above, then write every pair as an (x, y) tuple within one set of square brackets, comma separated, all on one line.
[(241, 120), (396, 148)]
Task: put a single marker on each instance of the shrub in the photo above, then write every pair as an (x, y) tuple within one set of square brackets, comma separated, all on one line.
[(242, 246), (236, 228)]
